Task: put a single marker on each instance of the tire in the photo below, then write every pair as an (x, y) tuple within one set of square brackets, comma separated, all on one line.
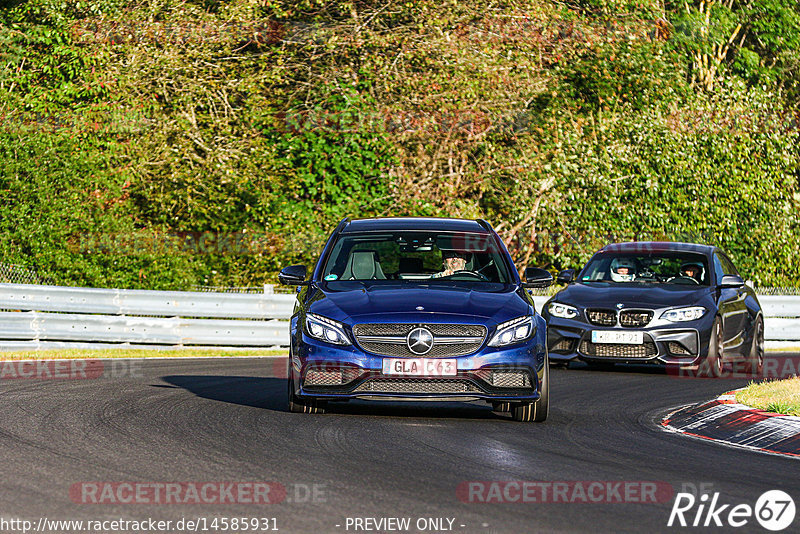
[(501, 406), (539, 410), (523, 412), (754, 365), (302, 406), (714, 363)]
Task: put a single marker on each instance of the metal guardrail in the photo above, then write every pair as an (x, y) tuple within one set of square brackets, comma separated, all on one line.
[(36, 316), (34, 325), (54, 316), (143, 302)]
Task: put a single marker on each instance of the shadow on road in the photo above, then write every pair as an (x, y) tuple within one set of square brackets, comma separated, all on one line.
[(254, 391), (638, 368), (270, 393)]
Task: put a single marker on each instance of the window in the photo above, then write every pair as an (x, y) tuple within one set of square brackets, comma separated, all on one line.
[(683, 268), (727, 265), (719, 271), (429, 256)]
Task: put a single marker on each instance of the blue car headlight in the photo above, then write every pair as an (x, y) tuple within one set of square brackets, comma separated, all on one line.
[(680, 315), (326, 330), (564, 311), (514, 331)]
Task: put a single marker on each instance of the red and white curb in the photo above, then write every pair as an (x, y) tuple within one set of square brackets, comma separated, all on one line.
[(725, 421)]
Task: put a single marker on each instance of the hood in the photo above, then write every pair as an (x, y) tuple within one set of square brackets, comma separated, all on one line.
[(634, 295), (357, 302)]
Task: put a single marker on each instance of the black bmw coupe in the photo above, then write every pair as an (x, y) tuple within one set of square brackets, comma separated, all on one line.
[(680, 304)]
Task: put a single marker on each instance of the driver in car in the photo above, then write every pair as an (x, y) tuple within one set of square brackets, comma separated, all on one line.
[(623, 270), (692, 270), (452, 261)]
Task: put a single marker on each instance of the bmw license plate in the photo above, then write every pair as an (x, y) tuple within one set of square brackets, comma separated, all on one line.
[(420, 367), (617, 337)]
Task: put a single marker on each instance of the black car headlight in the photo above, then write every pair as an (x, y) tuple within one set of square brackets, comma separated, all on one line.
[(564, 311), (326, 330), (514, 331), (681, 315)]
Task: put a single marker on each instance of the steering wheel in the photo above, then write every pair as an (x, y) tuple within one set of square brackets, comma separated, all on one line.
[(684, 280), (476, 274)]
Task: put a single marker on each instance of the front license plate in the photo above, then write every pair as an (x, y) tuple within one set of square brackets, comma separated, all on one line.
[(617, 337), (419, 367)]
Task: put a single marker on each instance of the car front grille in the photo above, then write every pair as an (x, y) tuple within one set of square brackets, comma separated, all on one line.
[(416, 385), (402, 329), (627, 318), (448, 339), (602, 317), (610, 350), (635, 318)]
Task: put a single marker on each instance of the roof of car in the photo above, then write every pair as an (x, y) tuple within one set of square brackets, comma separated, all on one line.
[(387, 224), (658, 246)]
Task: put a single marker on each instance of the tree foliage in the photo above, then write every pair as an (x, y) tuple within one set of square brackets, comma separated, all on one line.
[(171, 143)]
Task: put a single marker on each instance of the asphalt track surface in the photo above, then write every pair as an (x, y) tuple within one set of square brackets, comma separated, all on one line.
[(226, 420)]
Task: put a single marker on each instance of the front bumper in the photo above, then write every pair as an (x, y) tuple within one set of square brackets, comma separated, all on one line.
[(328, 372), (683, 344)]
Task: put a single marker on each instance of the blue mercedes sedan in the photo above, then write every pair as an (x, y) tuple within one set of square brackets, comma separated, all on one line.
[(407, 309)]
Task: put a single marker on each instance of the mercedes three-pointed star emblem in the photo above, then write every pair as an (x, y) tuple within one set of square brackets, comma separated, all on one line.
[(420, 341)]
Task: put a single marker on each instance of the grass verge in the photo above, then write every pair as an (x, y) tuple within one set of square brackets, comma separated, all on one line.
[(779, 396), (72, 354), (793, 348)]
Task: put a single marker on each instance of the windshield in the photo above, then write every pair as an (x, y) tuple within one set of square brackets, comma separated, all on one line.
[(662, 268), (429, 256)]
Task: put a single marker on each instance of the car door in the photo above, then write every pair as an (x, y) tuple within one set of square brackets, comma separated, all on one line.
[(731, 302)]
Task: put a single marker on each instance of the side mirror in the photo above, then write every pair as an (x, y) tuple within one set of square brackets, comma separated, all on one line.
[(294, 275), (566, 276), (731, 281), (538, 278)]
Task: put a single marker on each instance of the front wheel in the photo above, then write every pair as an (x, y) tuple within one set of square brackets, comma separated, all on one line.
[(715, 360), (755, 360), (539, 410), (296, 405)]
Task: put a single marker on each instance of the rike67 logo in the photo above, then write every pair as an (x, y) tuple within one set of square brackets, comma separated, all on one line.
[(774, 510)]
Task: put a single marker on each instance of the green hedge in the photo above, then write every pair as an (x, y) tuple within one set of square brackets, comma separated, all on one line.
[(210, 143)]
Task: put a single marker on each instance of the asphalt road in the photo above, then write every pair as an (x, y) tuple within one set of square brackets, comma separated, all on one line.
[(226, 420)]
